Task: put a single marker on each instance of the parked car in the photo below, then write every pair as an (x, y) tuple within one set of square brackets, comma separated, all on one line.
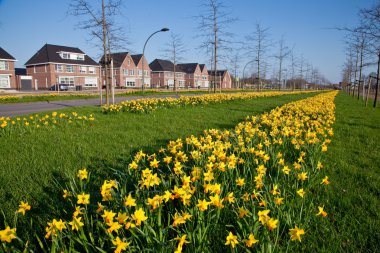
[(61, 87)]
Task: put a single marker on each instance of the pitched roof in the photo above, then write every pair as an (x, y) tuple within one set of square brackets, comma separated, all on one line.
[(20, 71), (218, 72), (5, 55), (188, 68), (161, 65), (202, 66), (118, 59), (136, 58), (49, 53)]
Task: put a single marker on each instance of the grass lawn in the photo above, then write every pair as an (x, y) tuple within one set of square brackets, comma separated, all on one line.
[(67, 95), (353, 165), (32, 164)]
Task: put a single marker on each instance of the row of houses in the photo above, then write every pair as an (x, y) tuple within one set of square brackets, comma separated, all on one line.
[(53, 64)]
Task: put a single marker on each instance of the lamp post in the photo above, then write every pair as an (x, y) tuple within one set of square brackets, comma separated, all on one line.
[(245, 67), (142, 59)]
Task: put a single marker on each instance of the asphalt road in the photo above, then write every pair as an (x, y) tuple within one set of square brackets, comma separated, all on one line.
[(16, 109)]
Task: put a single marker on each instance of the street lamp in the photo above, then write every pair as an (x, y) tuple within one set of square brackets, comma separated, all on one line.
[(245, 67), (142, 67)]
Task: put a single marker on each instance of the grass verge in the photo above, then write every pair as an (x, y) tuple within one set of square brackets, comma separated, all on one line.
[(33, 163), (352, 163)]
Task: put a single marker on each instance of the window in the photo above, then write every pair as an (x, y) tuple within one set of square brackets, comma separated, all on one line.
[(125, 71), (69, 68), (58, 68), (181, 83), (80, 57), (83, 69), (129, 62), (4, 65), (146, 72), (66, 80), (91, 70), (5, 82), (90, 81), (204, 77), (140, 73), (129, 83), (131, 72), (65, 55)]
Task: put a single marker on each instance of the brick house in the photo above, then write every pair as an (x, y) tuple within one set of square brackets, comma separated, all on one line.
[(128, 70), (162, 75), (223, 77), (205, 76), (196, 75), (7, 70), (54, 64)]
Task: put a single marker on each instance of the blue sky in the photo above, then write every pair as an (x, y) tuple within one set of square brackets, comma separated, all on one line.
[(26, 25)]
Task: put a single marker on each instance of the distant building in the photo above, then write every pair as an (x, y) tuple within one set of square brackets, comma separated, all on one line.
[(127, 70), (223, 77), (54, 64), (196, 75), (162, 75), (23, 80), (7, 70)]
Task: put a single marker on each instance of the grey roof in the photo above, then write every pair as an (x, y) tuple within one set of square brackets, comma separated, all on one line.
[(218, 72), (202, 66), (161, 65), (5, 55), (188, 68), (20, 71), (49, 53), (136, 58), (118, 59)]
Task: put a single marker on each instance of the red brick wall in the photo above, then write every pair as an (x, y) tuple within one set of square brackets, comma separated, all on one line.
[(11, 73)]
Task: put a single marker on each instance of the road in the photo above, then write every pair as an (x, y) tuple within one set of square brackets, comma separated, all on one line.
[(16, 109)]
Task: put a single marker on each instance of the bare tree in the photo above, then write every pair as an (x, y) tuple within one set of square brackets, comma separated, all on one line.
[(99, 22), (293, 65), (370, 26), (213, 26), (301, 66), (174, 51), (283, 53), (234, 61), (257, 45)]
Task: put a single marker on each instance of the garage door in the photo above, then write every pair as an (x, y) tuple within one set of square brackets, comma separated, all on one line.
[(26, 84)]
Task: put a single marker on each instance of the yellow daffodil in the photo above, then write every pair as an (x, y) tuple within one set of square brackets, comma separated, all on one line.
[(82, 174), (321, 211), (295, 233), (139, 216), (121, 245), (23, 207), (231, 239), (83, 199), (8, 234), (251, 241)]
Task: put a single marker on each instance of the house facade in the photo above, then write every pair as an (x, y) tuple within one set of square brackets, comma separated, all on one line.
[(205, 76), (127, 70), (223, 78), (54, 64), (162, 75), (7, 70), (196, 75)]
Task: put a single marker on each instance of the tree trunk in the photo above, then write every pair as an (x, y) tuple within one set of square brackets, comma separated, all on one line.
[(377, 81), (105, 53), (360, 72)]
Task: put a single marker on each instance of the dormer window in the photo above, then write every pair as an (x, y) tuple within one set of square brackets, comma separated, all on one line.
[(65, 56), (71, 56)]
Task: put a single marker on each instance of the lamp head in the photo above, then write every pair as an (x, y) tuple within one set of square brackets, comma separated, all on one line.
[(164, 29)]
